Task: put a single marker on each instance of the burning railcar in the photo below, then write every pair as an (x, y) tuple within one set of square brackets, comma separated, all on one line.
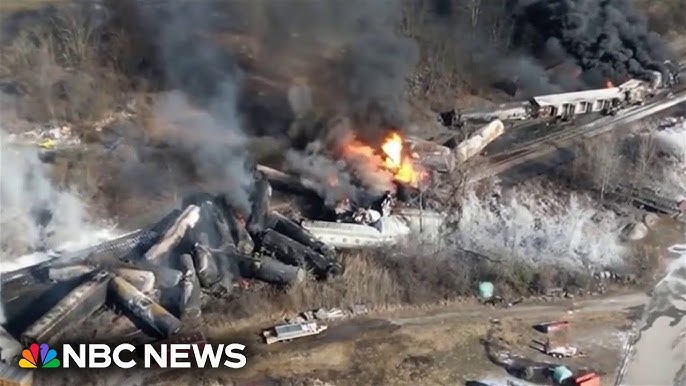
[(162, 275)]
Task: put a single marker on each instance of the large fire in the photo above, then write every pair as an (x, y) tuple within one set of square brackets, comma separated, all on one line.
[(391, 158), (398, 163)]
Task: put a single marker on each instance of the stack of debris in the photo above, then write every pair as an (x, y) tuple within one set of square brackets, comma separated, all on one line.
[(157, 275), (47, 138)]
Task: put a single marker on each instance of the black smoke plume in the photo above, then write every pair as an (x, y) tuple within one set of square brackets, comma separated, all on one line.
[(350, 54), (201, 107), (608, 39), (271, 68), (544, 46)]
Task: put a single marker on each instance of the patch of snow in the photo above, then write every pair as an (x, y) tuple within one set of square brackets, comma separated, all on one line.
[(670, 176)]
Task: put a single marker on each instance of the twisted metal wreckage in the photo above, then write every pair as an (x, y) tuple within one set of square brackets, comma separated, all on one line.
[(157, 275)]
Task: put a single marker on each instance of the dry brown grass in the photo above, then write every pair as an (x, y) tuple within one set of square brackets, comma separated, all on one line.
[(54, 65), (9, 6), (363, 282), (665, 16), (387, 281)]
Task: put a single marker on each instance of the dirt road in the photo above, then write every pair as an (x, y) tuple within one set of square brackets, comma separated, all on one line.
[(409, 347), (442, 347), (611, 304)]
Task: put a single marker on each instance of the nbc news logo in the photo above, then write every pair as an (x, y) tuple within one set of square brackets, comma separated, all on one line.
[(39, 357), (100, 356)]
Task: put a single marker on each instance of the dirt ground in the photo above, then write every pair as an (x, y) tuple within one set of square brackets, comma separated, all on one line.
[(440, 347), (445, 347)]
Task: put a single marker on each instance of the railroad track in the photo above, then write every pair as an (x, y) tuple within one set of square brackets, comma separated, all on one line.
[(548, 144)]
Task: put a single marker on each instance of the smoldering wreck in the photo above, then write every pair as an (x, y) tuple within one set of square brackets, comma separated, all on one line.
[(160, 276)]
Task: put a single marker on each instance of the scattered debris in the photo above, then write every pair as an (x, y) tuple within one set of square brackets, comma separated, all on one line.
[(634, 232), (359, 309), (588, 379), (552, 326), (561, 374), (330, 314), (558, 350), (565, 352), (49, 138)]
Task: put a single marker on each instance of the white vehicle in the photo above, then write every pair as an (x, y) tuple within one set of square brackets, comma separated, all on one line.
[(288, 332), (563, 351)]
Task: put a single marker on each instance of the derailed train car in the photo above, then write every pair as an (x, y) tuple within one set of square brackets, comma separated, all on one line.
[(566, 105), (605, 101)]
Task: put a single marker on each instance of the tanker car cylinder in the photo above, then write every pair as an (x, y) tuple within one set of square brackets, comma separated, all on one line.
[(147, 311)]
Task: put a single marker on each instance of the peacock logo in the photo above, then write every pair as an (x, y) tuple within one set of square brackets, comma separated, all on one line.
[(39, 357)]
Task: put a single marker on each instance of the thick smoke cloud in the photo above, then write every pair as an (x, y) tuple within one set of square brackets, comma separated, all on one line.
[(544, 46), (359, 64), (350, 53), (285, 68), (323, 59), (608, 39), (202, 108)]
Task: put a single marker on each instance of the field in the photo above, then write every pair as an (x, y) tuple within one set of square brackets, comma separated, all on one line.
[(434, 346)]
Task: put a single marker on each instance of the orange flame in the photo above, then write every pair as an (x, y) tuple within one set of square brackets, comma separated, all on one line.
[(391, 158), (398, 163)]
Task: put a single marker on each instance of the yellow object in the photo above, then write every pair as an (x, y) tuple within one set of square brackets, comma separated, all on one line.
[(47, 143)]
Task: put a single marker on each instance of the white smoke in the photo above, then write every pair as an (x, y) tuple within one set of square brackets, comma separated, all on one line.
[(533, 225), (35, 215)]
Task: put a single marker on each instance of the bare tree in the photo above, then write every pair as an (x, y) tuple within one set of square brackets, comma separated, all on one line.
[(473, 8), (607, 163), (646, 151)]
